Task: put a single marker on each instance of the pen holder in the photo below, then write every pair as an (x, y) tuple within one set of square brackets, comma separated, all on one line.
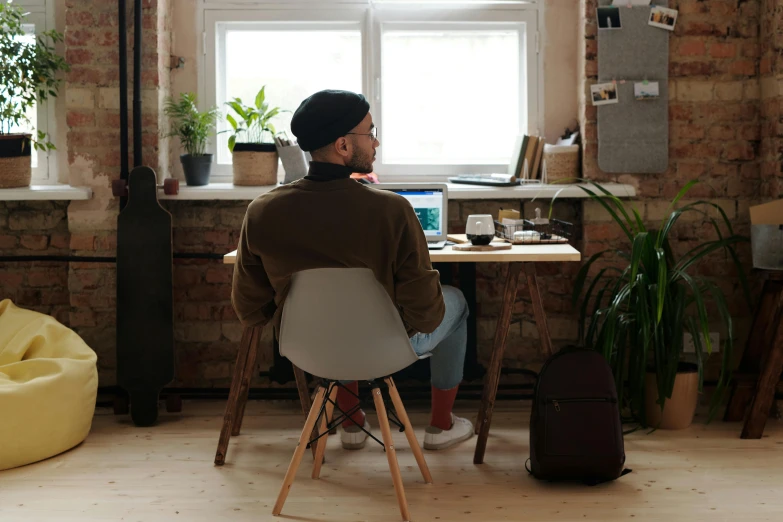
[(294, 162)]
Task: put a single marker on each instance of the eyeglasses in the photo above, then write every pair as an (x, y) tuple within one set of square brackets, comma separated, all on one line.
[(373, 133)]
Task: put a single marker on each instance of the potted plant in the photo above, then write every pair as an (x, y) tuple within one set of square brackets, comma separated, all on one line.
[(28, 74), (192, 127), (254, 154), (640, 307)]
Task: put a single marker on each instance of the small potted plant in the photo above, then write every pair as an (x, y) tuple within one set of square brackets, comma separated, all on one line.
[(254, 154), (28, 75), (192, 127), (640, 306)]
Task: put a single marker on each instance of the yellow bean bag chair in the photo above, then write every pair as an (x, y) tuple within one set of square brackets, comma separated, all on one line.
[(48, 386)]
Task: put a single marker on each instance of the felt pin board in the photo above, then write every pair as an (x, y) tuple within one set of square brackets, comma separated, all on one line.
[(633, 135)]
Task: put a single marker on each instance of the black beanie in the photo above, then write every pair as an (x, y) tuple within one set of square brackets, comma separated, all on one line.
[(326, 116)]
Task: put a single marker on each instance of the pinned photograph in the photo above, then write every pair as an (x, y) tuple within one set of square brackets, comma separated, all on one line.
[(645, 90), (604, 93), (663, 17), (609, 18)]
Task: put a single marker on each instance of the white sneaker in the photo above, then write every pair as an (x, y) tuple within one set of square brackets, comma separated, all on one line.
[(352, 437), (436, 438)]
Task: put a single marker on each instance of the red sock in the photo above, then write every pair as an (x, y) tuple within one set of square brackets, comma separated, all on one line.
[(347, 402), (442, 403)]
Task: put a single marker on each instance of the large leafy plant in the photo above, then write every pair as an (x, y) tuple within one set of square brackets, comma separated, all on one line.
[(638, 311), (252, 122), (28, 72), (190, 125)]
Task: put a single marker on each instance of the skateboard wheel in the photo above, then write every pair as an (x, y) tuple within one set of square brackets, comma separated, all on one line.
[(119, 188), (174, 403), (171, 186), (144, 408), (120, 404)]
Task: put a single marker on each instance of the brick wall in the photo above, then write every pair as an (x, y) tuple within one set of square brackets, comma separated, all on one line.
[(33, 228), (724, 128), (771, 74), (92, 98), (715, 131)]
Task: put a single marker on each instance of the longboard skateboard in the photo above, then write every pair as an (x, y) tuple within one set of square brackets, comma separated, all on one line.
[(145, 317)]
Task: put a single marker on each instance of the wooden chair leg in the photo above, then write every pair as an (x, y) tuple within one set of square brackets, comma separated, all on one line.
[(493, 372), (312, 417), (248, 337), (301, 386), (765, 389), (391, 455), (320, 446), (244, 390), (409, 433)]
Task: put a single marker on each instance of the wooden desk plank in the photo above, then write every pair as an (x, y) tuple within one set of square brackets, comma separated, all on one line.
[(518, 253)]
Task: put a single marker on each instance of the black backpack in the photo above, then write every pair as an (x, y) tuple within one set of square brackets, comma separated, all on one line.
[(575, 427)]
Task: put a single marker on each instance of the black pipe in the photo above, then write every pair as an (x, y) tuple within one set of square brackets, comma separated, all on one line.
[(123, 96), (137, 30), (97, 259)]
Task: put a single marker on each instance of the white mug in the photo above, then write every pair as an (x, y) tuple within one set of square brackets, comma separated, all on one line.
[(480, 229)]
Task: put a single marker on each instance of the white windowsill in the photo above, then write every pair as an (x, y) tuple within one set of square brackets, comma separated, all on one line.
[(45, 193), (228, 191)]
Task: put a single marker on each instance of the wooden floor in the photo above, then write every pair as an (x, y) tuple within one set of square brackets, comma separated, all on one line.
[(165, 473)]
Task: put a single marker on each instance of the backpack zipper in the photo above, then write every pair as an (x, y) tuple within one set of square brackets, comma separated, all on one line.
[(556, 402)]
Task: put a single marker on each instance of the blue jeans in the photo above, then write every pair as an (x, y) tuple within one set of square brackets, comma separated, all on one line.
[(447, 343)]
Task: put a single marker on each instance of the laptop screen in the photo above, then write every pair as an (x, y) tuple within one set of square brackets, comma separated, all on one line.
[(428, 204)]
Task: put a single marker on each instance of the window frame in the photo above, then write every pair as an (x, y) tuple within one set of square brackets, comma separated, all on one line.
[(371, 17)]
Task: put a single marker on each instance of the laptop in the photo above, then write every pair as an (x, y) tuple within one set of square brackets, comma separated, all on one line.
[(431, 203)]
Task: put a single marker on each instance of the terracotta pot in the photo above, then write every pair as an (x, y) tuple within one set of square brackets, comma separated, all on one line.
[(678, 411)]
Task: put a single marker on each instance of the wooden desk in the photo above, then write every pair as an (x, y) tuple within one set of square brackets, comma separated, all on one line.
[(518, 257)]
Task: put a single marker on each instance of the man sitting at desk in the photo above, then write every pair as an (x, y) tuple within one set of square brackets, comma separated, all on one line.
[(329, 220)]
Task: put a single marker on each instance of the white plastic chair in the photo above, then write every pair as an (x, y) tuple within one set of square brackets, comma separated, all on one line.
[(339, 324)]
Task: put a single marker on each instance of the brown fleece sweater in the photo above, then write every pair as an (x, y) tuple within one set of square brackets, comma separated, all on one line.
[(328, 220)]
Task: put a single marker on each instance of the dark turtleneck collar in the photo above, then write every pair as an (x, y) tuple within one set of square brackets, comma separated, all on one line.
[(320, 171)]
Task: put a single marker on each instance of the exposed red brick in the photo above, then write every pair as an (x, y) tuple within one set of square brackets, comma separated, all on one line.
[(35, 242), (692, 47), (219, 275), (80, 118), (7, 241), (82, 242), (743, 68), (74, 18), (723, 50), (723, 132)]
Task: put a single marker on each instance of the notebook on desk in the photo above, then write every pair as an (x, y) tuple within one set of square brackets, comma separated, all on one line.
[(430, 201)]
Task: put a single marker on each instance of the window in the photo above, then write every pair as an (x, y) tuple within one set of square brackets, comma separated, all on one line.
[(450, 84), (40, 18)]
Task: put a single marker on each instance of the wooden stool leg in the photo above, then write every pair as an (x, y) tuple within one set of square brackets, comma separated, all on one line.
[(248, 338), (320, 446), (391, 455), (493, 372), (299, 452), (759, 340), (414, 444), (765, 389), (244, 390)]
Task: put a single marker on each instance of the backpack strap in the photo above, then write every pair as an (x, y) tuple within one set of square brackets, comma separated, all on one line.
[(595, 482)]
